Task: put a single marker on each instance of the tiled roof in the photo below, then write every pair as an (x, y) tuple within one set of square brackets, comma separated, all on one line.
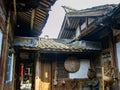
[(60, 45), (94, 11)]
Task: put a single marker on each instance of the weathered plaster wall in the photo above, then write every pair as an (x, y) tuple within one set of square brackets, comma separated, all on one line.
[(82, 72)]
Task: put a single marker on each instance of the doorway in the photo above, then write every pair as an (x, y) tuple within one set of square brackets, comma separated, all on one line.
[(24, 78), (46, 80)]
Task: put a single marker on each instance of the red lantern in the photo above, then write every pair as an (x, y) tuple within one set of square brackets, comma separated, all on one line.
[(21, 70)]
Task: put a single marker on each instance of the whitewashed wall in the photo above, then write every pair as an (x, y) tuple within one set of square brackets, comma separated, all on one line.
[(82, 72), (77, 32), (118, 54)]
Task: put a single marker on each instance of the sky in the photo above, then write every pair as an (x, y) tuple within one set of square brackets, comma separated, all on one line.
[(57, 13)]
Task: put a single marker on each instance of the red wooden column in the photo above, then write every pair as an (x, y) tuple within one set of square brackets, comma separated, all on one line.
[(37, 71), (4, 55)]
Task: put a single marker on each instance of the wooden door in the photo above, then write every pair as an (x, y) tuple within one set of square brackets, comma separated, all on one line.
[(46, 75)]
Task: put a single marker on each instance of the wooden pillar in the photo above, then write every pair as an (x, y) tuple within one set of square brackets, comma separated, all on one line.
[(114, 60), (37, 72), (4, 55)]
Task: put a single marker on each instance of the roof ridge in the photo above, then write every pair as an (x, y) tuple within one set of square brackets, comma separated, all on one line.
[(95, 8)]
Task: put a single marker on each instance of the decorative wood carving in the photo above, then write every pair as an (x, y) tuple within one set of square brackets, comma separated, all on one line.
[(91, 74), (71, 64), (108, 69)]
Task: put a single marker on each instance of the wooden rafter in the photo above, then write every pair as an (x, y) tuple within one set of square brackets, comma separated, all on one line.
[(32, 18), (40, 16), (44, 4), (42, 11)]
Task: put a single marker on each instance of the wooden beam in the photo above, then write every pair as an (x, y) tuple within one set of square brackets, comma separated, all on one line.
[(32, 18), (14, 3)]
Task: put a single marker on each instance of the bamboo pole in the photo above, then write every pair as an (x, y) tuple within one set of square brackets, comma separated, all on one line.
[(102, 78)]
